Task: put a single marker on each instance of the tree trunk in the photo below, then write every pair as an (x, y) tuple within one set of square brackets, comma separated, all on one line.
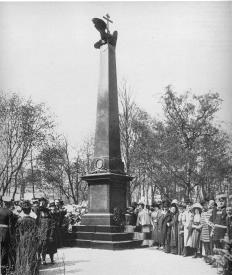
[(15, 187), (32, 177)]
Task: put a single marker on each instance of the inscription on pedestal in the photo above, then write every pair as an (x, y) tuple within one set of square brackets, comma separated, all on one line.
[(98, 198)]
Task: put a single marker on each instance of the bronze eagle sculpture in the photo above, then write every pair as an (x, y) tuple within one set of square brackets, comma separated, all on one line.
[(106, 36)]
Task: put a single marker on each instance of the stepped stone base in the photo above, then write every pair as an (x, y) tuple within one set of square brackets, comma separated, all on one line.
[(101, 237)]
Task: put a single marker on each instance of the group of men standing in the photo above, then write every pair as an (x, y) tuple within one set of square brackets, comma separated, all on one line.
[(28, 232)]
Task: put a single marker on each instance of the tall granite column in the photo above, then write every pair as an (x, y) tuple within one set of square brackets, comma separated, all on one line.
[(107, 181)]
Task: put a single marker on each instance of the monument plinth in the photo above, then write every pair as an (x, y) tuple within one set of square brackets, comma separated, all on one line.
[(107, 181)]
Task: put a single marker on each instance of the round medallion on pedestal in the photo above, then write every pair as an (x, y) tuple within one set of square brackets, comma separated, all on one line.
[(99, 163)]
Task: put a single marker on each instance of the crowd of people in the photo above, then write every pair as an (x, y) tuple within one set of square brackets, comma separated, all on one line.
[(187, 229), (30, 230)]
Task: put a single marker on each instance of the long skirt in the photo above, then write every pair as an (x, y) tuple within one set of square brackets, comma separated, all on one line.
[(187, 237), (154, 234), (180, 242), (146, 230), (195, 238)]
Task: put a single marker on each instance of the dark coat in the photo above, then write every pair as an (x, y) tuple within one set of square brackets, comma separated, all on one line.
[(47, 232), (166, 231), (220, 219), (52, 235), (27, 245), (5, 215), (174, 230)]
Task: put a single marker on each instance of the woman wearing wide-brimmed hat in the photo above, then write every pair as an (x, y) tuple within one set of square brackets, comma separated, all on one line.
[(155, 215), (187, 218), (196, 227)]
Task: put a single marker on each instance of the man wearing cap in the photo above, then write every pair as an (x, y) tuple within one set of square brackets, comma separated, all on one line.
[(220, 221), (5, 217), (61, 212)]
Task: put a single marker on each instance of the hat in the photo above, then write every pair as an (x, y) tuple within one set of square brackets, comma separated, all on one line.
[(43, 199), (182, 205), (197, 205), (187, 201), (174, 205), (166, 204), (52, 204), (221, 196), (26, 204), (155, 204), (175, 201), (211, 203), (35, 201), (134, 204), (204, 202)]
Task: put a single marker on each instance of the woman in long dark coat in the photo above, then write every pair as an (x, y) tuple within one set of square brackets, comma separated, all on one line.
[(166, 230), (52, 233), (174, 229), (44, 225)]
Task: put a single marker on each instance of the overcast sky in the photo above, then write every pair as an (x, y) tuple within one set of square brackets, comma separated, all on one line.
[(47, 53)]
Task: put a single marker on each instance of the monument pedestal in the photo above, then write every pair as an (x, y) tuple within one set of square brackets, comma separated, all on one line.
[(106, 192), (98, 230), (102, 237)]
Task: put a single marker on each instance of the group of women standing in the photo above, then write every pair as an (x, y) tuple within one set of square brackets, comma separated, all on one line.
[(181, 228)]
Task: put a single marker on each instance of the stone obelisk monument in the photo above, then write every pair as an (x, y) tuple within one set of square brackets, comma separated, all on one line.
[(107, 181)]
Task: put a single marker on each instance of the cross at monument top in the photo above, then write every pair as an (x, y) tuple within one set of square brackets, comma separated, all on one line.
[(107, 18)]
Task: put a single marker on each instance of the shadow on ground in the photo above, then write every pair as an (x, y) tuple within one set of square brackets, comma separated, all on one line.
[(61, 268)]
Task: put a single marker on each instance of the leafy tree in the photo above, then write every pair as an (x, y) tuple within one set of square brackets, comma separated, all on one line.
[(190, 151), (23, 126), (62, 171)]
